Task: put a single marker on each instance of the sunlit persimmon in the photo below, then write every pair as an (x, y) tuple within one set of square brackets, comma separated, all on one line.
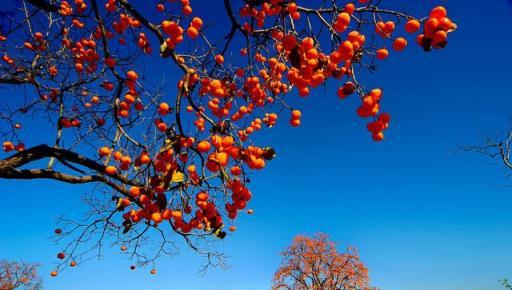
[(145, 159), (131, 75), (379, 136), (110, 170), (157, 217), (177, 214), (431, 26), (343, 18), (203, 146), (192, 32), (163, 109), (219, 59), (439, 39), (399, 44), (104, 151), (236, 170), (167, 214), (134, 191), (350, 8), (438, 12), (412, 26), (382, 53)]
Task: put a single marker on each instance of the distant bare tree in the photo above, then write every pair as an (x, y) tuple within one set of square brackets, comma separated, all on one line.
[(497, 147)]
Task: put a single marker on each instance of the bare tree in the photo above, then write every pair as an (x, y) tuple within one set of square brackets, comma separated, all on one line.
[(496, 146)]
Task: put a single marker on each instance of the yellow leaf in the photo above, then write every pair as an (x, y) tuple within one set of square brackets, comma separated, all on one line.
[(177, 176)]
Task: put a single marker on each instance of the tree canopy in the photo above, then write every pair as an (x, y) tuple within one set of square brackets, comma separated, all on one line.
[(172, 160), (19, 276), (315, 264)]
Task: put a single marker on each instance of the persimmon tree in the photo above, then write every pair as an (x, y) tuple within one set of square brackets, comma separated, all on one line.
[(19, 276), (171, 161), (315, 264)]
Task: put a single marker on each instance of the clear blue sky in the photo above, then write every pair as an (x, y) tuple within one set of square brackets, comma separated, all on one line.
[(421, 217)]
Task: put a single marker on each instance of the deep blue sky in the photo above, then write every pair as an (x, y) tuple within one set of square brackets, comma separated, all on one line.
[(422, 217)]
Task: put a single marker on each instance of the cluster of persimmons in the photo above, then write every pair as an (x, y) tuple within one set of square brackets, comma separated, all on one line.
[(224, 102)]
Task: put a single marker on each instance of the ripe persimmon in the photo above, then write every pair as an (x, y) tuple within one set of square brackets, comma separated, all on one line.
[(236, 170), (376, 94), (289, 42), (110, 62), (196, 23), (187, 10), (385, 118), (446, 24), (438, 12), (350, 8), (110, 170), (382, 53), (203, 146), (134, 191), (295, 122), (104, 151), (157, 217), (349, 88), (126, 160), (341, 93), (192, 32), (8, 146), (431, 26), (167, 214), (144, 158), (296, 114), (343, 18), (177, 214), (399, 44), (228, 141), (162, 127), (412, 26), (163, 109), (202, 196), (439, 39), (219, 59), (379, 136), (132, 75)]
